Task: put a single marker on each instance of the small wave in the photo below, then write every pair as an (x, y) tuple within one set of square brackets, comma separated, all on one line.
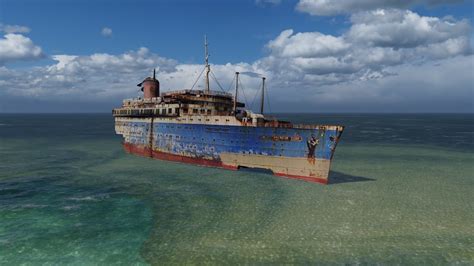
[(31, 206), (370, 131), (88, 198), (410, 119), (401, 139), (71, 207)]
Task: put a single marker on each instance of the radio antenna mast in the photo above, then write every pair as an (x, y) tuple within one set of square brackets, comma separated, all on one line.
[(263, 95), (236, 91), (208, 67)]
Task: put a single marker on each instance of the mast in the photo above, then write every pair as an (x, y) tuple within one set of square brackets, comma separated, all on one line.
[(208, 67), (236, 90), (263, 95)]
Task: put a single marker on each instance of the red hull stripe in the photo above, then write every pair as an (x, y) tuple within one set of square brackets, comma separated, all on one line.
[(146, 152), (305, 178)]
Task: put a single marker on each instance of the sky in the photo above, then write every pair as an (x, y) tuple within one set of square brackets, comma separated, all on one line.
[(317, 55)]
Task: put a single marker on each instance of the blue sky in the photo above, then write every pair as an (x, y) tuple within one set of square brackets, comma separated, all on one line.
[(238, 30), (330, 40)]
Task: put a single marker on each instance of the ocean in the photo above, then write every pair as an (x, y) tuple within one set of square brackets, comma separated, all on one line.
[(401, 192)]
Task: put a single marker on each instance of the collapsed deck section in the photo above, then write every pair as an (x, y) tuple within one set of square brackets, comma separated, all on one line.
[(296, 152)]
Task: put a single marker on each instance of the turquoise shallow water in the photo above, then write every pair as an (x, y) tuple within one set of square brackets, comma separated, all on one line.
[(401, 194)]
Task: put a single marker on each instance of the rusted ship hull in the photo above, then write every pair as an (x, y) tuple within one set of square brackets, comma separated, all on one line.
[(214, 128), (295, 152)]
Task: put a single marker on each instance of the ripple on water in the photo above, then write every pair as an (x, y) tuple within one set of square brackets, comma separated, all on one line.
[(44, 225), (87, 202)]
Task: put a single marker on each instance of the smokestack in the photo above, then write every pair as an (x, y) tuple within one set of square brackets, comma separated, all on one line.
[(151, 87)]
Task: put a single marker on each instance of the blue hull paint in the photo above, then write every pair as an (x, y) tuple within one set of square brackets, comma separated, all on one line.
[(209, 141)]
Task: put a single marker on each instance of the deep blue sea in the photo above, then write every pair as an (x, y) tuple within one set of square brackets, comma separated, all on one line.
[(401, 193)]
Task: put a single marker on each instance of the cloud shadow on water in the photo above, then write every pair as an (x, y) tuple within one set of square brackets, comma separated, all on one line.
[(338, 178)]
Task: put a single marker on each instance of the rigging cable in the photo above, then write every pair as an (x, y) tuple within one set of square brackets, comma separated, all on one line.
[(198, 78), (243, 90), (254, 98), (218, 84), (230, 86), (268, 101)]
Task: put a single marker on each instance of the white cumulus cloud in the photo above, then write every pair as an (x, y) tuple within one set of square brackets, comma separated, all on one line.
[(335, 7), (18, 47), (106, 32), (387, 60), (267, 2), (307, 44), (13, 28), (375, 41), (404, 29)]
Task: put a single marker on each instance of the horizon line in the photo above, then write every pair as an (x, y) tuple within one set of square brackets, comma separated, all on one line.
[(272, 113)]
